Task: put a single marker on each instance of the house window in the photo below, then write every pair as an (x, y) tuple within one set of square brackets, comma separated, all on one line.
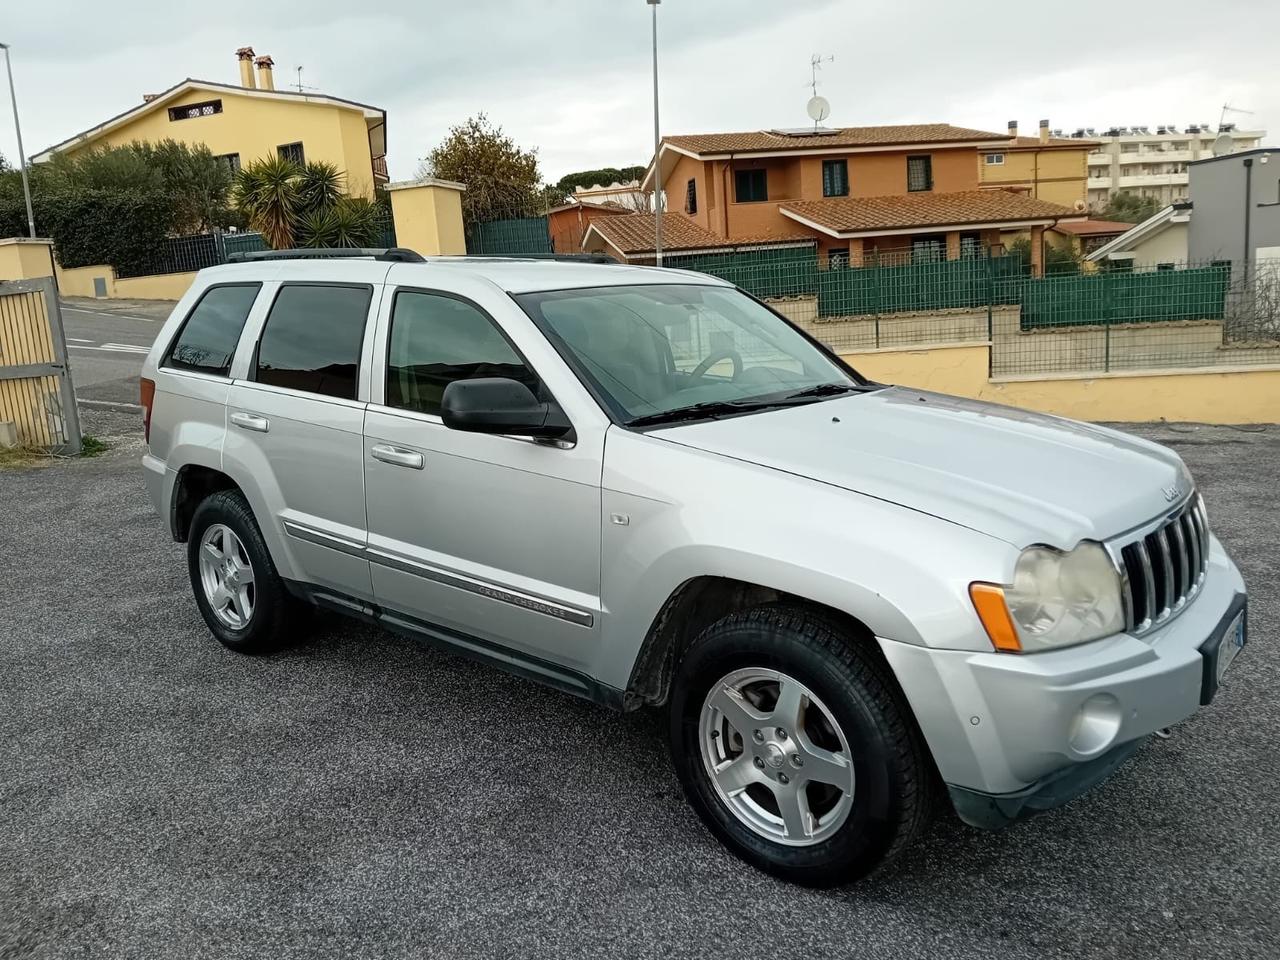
[(835, 178), (691, 197), (232, 160), (189, 111), (919, 173), (929, 249), (750, 186), (292, 151), (994, 159), (838, 259)]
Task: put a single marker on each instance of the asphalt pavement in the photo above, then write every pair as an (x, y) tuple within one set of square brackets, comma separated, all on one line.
[(364, 796), (106, 341)]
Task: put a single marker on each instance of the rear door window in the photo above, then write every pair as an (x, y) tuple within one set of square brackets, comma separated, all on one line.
[(312, 339), (209, 335)]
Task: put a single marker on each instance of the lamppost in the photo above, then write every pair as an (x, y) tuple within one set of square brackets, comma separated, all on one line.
[(17, 129), (657, 145)]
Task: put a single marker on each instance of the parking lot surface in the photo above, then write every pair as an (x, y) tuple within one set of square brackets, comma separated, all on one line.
[(364, 796)]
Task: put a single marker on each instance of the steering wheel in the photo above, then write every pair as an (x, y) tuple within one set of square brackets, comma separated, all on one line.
[(714, 357)]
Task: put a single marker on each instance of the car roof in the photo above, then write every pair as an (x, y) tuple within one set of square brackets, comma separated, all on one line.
[(511, 274)]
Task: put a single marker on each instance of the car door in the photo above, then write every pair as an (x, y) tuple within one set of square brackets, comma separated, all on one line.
[(295, 425), (495, 538)]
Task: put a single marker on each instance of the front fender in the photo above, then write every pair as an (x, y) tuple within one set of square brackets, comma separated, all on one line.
[(688, 513)]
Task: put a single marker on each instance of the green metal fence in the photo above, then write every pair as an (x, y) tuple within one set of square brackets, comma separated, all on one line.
[(1192, 293), (782, 272), (914, 287), (525, 235)]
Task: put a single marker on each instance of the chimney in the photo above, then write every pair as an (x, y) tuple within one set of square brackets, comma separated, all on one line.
[(245, 56), (1044, 131), (1013, 129), (264, 73)]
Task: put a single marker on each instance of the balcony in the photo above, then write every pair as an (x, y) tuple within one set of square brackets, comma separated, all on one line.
[(1098, 183), (1154, 180), (380, 168)]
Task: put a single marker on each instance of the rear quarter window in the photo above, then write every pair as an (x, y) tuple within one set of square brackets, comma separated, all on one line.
[(207, 340)]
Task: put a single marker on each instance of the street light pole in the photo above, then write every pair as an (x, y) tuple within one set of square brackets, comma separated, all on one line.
[(17, 129), (657, 145)]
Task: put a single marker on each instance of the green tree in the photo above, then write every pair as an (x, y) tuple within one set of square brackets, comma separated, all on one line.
[(604, 176), (1128, 207), (502, 179), (199, 184), (304, 206)]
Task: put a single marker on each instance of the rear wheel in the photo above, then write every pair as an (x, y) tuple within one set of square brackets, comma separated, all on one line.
[(239, 593), (793, 745)]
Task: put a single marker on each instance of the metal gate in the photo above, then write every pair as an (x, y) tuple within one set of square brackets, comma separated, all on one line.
[(36, 395)]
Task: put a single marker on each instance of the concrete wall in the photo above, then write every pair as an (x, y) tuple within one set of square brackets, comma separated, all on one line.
[(255, 126), (22, 258), (428, 216), (1218, 192), (1240, 395), (79, 282)]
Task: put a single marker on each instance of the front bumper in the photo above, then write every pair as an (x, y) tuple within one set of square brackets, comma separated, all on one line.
[(1015, 732)]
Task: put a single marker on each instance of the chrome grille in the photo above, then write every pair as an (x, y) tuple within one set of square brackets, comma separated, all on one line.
[(1163, 565)]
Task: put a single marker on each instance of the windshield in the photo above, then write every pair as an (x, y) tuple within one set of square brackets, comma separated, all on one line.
[(651, 350)]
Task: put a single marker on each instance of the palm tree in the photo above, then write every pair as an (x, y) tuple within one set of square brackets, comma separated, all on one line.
[(267, 193), (304, 206)]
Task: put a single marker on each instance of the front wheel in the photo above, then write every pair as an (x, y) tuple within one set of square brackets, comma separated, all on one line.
[(240, 595), (794, 746)]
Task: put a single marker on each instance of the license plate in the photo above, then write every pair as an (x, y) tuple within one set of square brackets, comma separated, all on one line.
[(1232, 642)]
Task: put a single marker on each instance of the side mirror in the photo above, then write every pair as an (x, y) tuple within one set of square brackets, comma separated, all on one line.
[(504, 406)]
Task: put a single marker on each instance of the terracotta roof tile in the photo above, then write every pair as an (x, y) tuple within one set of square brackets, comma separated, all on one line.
[(1094, 228), (766, 140), (633, 234), (855, 214)]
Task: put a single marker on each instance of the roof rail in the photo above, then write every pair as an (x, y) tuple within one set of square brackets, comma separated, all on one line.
[(565, 257), (396, 254)]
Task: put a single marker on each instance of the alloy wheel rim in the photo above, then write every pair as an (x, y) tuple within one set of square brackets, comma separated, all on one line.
[(776, 756), (226, 574)]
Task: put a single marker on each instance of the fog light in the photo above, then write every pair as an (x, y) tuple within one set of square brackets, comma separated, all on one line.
[(1095, 725)]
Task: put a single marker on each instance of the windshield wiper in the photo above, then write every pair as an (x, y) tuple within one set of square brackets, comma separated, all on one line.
[(827, 390), (704, 410)]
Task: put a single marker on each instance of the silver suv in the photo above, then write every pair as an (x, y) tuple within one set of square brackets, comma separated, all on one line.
[(644, 487)]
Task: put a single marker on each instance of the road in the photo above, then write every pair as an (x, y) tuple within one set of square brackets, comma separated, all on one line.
[(106, 341), (364, 796)]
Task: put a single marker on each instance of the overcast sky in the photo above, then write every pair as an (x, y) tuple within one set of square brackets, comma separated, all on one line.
[(572, 77)]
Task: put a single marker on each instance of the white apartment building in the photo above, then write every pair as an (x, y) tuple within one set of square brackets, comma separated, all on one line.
[(1152, 163)]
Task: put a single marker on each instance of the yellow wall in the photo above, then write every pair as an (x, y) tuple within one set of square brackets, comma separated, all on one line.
[(24, 259), (428, 216), (1057, 175), (1235, 395), (78, 282), (254, 127)]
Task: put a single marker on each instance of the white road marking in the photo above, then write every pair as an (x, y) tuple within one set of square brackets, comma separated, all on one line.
[(77, 340), (112, 348), (105, 313)]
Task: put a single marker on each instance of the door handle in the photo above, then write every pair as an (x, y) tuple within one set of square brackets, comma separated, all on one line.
[(251, 421), (397, 456)]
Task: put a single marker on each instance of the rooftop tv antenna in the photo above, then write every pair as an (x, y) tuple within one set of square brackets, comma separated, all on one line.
[(818, 108), (300, 85)]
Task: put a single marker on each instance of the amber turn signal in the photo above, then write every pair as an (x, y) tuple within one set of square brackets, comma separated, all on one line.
[(988, 600)]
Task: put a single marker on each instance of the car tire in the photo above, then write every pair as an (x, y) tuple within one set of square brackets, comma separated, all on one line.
[(253, 612), (852, 727)]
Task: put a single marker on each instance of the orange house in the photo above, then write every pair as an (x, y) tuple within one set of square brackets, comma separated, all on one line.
[(857, 193)]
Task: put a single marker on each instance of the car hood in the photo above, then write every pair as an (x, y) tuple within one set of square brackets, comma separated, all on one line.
[(1023, 477)]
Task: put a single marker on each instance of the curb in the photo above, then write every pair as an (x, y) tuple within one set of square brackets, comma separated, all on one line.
[(110, 405)]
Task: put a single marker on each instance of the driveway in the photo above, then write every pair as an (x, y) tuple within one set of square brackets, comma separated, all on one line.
[(363, 796)]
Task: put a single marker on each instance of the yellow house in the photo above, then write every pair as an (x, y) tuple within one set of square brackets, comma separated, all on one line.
[(250, 121), (1044, 167)]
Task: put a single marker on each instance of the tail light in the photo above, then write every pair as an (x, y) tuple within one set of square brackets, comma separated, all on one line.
[(147, 394)]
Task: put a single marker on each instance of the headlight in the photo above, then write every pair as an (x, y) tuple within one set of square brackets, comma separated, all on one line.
[(1056, 599)]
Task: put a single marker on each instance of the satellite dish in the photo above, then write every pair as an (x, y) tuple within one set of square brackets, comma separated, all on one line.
[(818, 109), (1223, 145)]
